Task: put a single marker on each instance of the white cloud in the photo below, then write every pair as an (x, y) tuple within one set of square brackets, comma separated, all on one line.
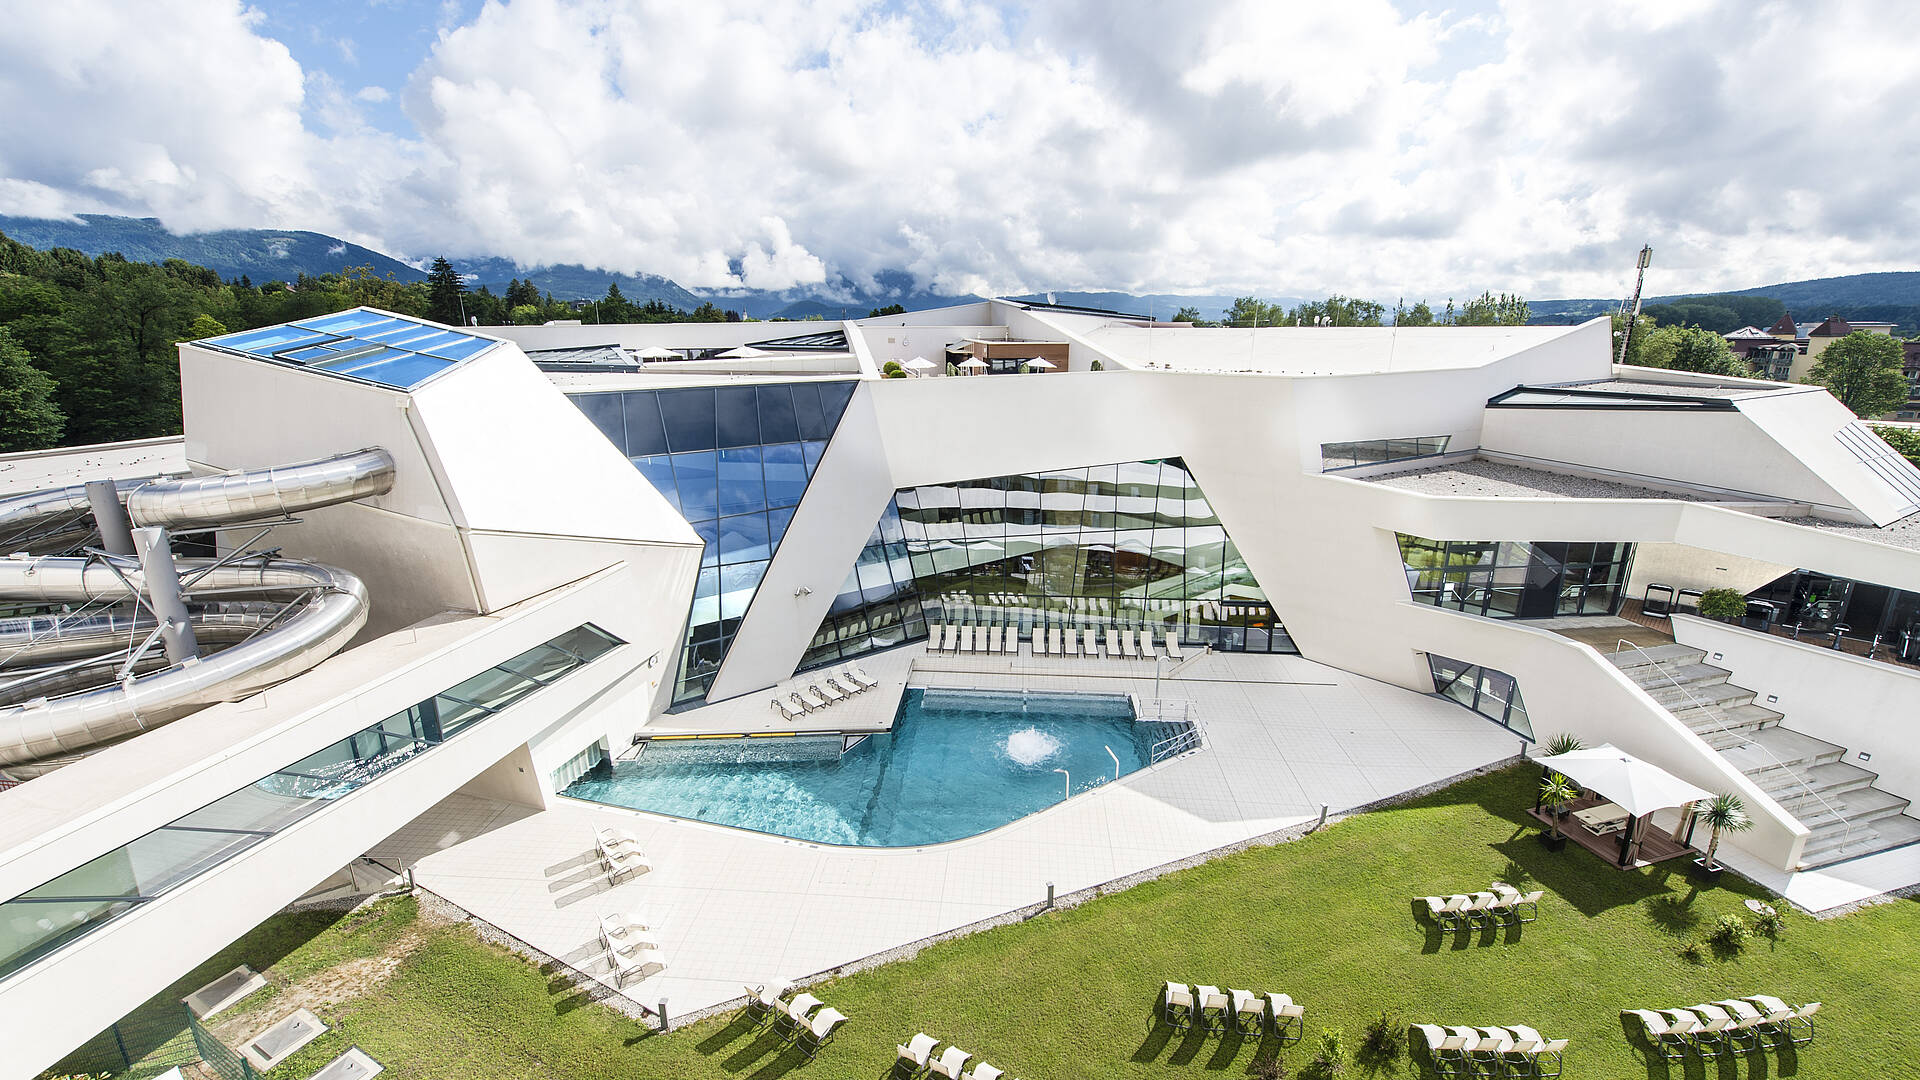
[(1234, 145)]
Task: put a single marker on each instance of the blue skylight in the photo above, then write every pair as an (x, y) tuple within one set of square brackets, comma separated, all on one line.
[(363, 344)]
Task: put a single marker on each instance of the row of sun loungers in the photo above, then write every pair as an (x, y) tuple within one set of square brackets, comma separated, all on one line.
[(918, 1058), (1051, 641), (1727, 1026), (805, 1019), (1211, 1009), (633, 946), (829, 691), (1501, 903), (620, 854), (1515, 1050)]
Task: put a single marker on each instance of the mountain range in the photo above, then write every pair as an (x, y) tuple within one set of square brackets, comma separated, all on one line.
[(283, 254)]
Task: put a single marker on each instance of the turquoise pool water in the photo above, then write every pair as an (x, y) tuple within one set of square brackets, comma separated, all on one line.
[(956, 764)]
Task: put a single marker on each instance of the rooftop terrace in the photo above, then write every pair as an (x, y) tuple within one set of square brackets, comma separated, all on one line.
[(1482, 478)]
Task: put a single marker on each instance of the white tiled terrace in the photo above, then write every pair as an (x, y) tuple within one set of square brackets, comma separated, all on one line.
[(1284, 736)]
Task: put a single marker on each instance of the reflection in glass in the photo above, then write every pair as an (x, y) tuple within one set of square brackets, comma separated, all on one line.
[(1493, 694)]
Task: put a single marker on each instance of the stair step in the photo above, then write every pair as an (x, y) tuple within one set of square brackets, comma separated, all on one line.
[(1628, 659), (1887, 833), (1835, 778), (1777, 747), (1730, 718), (1686, 675), (1695, 695)]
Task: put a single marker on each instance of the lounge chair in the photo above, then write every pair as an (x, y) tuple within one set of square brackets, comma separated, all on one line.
[(818, 1031), (984, 1071), (794, 1014), (966, 639), (1551, 1055), (1093, 645), (1667, 1038), (845, 691), (1173, 648), (1709, 1036), (953, 638), (1491, 1048), (1288, 1017), (1442, 912), (915, 1053), (993, 639), (623, 861), (950, 1063), (1210, 1005), (934, 630), (1113, 644), (1800, 1024), (1444, 1049), (614, 836), (1518, 1060), (813, 694), (1249, 1011), (1778, 1014), (1499, 908), (1469, 1041), (1012, 642), (860, 673), (645, 963), (626, 933), (1053, 640), (763, 1002), (787, 711), (805, 705), (832, 693), (1749, 1023), (1176, 1005)]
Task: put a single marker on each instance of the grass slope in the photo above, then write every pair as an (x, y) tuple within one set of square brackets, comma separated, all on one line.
[(1327, 919)]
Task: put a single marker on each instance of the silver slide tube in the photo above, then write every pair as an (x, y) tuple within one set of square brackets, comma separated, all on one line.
[(200, 501), (49, 727)]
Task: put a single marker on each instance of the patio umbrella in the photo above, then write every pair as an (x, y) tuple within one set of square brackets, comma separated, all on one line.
[(919, 363), (744, 352), (975, 364), (1041, 362), (1633, 785), (655, 352)]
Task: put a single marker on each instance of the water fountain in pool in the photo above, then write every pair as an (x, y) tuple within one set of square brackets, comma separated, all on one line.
[(1031, 746)]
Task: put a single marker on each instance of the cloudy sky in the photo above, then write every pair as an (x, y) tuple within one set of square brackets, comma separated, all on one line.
[(1378, 148)]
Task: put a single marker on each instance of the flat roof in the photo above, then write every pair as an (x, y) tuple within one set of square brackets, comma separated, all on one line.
[(1904, 533), (1317, 350), (1482, 478)]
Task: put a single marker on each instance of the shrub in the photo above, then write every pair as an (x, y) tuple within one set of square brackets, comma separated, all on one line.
[(1564, 743), (1331, 1057), (1729, 934), (1385, 1038), (1694, 951), (1772, 925), (1722, 604), (891, 366), (1098, 366)]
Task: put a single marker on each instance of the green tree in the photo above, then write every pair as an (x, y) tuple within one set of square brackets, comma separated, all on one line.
[(1253, 311), (446, 294), (1188, 315), (1417, 315), (1689, 348), (203, 326), (890, 309), (525, 314), (1864, 371), (1643, 328), (1490, 310), (1337, 310), (29, 418), (1904, 439), (522, 294)]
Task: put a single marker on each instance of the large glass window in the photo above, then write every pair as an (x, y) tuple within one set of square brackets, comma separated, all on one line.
[(734, 461), (1506, 580), (1348, 455), (1493, 694), (43, 919), (1132, 545)]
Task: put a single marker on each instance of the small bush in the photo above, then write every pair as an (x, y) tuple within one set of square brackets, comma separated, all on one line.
[(1385, 1038), (1772, 925), (1729, 934), (1722, 604), (891, 366), (1331, 1057), (1098, 366), (1268, 1067), (1694, 951)]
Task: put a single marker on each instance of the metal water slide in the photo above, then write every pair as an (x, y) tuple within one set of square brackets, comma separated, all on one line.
[(87, 667)]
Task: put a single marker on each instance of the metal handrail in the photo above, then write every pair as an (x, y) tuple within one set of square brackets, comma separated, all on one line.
[(1846, 833)]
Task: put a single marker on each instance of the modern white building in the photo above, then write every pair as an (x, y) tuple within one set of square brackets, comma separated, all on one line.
[(496, 560)]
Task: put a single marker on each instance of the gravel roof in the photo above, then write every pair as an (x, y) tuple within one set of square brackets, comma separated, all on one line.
[(1481, 477), (1628, 386), (1904, 533)]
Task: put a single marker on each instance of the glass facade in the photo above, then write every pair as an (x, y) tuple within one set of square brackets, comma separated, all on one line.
[(735, 461), (1347, 455), (1493, 694), (877, 606), (73, 904), (362, 343), (1132, 545), (1814, 606), (1508, 580)]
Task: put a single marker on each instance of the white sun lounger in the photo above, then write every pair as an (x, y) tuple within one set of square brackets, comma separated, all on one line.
[(805, 705), (950, 1063), (1173, 647), (1113, 643), (1092, 647), (953, 637), (993, 639), (1287, 1016), (1249, 1011), (763, 1002), (1053, 640), (628, 932), (984, 1071), (855, 676), (1012, 642), (966, 638), (861, 674), (787, 711), (832, 693), (614, 836), (1132, 649), (623, 861), (818, 1031), (644, 963), (1445, 1048), (833, 684), (934, 630), (813, 694), (917, 1051)]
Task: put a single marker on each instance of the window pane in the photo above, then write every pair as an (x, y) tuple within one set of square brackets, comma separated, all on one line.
[(604, 410), (777, 421), (689, 419), (738, 416), (645, 433), (742, 489), (697, 476)]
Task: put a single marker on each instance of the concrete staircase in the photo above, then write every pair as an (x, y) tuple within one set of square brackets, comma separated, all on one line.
[(1847, 816)]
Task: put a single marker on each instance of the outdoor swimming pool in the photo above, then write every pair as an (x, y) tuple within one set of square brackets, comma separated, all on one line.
[(956, 764)]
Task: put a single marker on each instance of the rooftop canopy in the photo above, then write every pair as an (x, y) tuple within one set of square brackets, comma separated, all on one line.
[(364, 343), (1634, 785)]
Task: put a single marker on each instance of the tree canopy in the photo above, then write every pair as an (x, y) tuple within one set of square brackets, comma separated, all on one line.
[(29, 419), (1864, 371), (446, 294), (1689, 348), (1489, 310), (1722, 313), (1337, 310)]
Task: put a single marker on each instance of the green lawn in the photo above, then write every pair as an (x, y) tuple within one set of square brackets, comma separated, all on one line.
[(1327, 919)]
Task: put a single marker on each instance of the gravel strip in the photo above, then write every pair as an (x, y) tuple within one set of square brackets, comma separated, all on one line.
[(1480, 477)]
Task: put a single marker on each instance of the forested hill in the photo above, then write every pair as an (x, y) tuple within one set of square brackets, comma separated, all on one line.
[(260, 254), (1888, 297)]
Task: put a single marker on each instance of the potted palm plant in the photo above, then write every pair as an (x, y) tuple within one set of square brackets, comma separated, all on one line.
[(1725, 813), (1556, 791)]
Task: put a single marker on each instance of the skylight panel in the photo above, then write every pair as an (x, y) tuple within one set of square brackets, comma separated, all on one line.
[(364, 344)]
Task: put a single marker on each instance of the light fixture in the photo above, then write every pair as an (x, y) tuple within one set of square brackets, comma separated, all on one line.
[(803, 591)]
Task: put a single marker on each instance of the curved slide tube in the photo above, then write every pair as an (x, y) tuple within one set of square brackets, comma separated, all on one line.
[(278, 617)]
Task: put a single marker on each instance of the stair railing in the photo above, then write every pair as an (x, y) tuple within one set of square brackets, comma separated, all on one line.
[(1713, 714)]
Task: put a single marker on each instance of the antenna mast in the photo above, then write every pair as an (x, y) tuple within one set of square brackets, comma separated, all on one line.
[(1640, 278)]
